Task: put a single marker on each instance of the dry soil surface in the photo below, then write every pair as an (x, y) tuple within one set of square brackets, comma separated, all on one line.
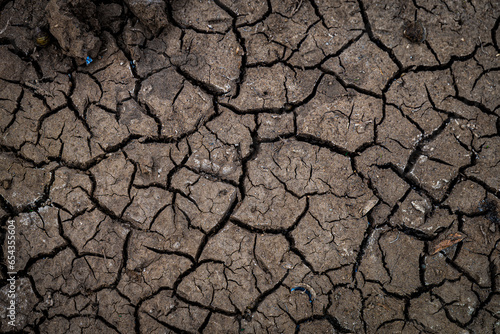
[(268, 166)]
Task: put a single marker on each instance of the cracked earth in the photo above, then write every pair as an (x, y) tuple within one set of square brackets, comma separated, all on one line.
[(259, 166)]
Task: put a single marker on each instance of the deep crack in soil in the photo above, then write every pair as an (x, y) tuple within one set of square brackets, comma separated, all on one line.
[(268, 166)]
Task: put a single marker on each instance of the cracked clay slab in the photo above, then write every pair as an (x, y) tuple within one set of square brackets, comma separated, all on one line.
[(234, 166)]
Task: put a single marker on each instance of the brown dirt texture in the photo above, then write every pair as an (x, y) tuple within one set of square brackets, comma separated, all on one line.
[(267, 166)]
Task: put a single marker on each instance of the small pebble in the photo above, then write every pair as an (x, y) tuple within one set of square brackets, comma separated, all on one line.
[(415, 32)]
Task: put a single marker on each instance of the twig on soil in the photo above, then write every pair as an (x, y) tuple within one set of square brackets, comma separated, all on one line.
[(481, 44), (38, 89), (5, 28), (395, 239), (296, 9)]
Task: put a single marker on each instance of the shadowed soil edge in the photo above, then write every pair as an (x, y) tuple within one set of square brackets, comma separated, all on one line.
[(229, 166)]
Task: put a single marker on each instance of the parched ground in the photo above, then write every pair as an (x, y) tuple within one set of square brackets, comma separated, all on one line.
[(231, 166)]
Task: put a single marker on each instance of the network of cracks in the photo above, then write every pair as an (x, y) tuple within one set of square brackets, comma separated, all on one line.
[(299, 166)]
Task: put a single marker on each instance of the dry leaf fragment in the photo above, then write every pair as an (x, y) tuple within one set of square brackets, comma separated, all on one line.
[(368, 206), (449, 241)]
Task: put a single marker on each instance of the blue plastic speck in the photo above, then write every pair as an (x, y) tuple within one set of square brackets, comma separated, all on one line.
[(88, 60)]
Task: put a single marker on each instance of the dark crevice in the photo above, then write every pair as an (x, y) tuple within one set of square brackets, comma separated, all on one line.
[(488, 209), (494, 32), (375, 40)]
